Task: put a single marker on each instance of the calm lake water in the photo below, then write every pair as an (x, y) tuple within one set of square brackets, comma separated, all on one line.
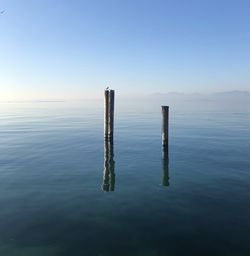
[(64, 192)]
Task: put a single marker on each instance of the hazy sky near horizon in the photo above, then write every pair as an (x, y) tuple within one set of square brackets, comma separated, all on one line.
[(56, 49)]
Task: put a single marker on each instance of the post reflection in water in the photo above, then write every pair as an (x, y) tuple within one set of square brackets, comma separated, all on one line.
[(109, 166), (165, 166)]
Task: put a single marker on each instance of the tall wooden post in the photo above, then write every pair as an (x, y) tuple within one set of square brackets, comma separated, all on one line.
[(109, 106), (106, 113), (111, 113), (109, 163), (165, 127)]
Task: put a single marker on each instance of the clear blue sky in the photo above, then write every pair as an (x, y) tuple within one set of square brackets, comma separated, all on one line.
[(74, 48)]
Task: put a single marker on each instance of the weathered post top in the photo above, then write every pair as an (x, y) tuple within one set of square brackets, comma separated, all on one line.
[(165, 108)]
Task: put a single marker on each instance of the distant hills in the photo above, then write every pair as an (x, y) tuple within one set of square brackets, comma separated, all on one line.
[(244, 94), (225, 96)]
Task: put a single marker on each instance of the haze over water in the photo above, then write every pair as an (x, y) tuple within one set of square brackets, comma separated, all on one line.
[(53, 196)]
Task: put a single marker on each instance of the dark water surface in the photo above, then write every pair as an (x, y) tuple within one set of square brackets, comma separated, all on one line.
[(64, 192)]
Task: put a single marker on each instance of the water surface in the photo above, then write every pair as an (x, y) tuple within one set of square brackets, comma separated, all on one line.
[(64, 191)]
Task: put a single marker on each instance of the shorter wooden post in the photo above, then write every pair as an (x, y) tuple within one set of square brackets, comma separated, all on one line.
[(165, 128)]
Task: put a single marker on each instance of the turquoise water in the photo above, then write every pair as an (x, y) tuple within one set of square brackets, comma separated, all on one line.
[(63, 191)]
